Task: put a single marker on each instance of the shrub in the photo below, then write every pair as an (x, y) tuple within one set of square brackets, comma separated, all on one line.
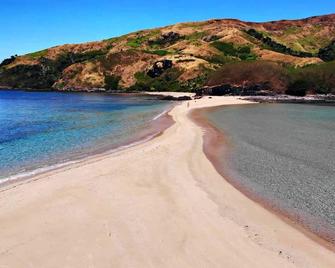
[(245, 50), (273, 45), (159, 52), (328, 53), (185, 60), (38, 54), (194, 84), (228, 49), (93, 54), (141, 38), (269, 75), (168, 81), (196, 36), (29, 76), (112, 82), (8, 61), (298, 88), (219, 59), (320, 78), (137, 41), (134, 43)]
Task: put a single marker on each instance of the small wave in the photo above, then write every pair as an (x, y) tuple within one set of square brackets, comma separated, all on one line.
[(41, 170), (38, 171), (31, 173), (160, 115)]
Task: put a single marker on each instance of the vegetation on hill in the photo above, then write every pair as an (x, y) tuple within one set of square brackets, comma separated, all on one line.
[(112, 82), (319, 79), (166, 82), (313, 79), (229, 49), (273, 45), (8, 61), (328, 53), (284, 56)]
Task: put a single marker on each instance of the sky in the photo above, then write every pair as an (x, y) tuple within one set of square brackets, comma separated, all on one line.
[(32, 25)]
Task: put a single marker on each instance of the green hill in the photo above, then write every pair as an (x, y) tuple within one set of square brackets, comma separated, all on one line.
[(186, 57)]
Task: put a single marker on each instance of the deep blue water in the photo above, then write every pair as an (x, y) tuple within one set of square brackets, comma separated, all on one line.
[(41, 129), (285, 154)]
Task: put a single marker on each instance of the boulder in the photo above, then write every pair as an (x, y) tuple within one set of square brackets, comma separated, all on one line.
[(172, 98), (159, 67), (233, 90)]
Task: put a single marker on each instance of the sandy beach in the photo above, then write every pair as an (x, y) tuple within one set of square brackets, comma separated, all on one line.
[(157, 204)]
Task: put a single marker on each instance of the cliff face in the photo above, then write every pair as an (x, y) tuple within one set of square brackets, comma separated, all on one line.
[(177, 57)]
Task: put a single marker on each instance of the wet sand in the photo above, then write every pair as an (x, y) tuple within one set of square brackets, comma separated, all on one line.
[(157, 204)]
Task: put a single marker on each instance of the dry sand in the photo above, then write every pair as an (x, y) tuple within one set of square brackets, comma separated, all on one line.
[(158, 204)]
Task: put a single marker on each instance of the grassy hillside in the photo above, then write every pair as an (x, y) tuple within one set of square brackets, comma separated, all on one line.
[(184, 56)]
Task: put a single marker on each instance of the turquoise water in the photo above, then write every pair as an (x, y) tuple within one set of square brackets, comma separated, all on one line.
[(284, 154), (43, 129)]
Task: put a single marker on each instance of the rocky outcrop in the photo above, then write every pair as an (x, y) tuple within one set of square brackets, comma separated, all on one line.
[(222, 90), (311, 99), (166, 39), (159, 67), (172, 98)]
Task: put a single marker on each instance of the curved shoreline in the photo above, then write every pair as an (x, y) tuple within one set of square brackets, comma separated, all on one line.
[(157, 204), (156, 127), (215, 144)]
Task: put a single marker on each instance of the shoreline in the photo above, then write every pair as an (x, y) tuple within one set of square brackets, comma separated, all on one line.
[(317, 99), (215, 144), (157, 204), (156, 127)]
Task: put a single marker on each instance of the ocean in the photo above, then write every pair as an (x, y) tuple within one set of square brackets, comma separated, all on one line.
[(284, 155), (41, 130)]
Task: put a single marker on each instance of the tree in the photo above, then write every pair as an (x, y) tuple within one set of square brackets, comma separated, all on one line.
[(298, 88), (8, 61), (112, 82), (259, 73), (328, 53)]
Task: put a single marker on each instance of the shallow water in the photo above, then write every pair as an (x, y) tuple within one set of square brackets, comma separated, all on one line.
[(41, 129), (284, 154)]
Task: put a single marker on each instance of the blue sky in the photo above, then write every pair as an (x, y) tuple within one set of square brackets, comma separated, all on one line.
[(31, 25)]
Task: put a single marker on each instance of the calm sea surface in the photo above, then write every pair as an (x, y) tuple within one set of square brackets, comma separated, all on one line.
[(42, 129), (285, 154)]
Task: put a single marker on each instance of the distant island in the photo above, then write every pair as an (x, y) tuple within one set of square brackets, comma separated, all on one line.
[(222, 56)]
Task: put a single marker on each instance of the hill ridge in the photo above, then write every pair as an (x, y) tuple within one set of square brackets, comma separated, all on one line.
[(175, 57)]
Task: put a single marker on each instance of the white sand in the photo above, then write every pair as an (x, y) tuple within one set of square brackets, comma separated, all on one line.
[(159, 204)]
